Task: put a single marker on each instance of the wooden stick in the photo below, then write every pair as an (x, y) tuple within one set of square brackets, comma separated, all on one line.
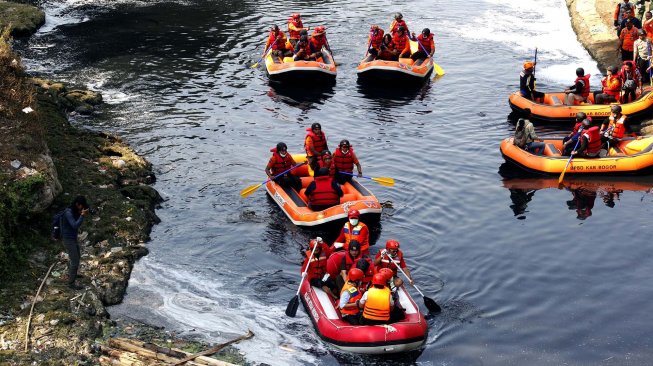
[(215, 349), (124, 344), (29, 319)]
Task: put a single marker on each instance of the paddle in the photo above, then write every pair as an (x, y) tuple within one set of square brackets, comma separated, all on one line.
[(326, 41), (650, 72), (249, 190), (428, 302), (384, 181), (264, 53), (438, 70), (291, 309), (562, 175)]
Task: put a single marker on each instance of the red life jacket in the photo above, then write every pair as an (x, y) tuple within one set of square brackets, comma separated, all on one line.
[(343, 162), (400, 41), (386, 263), (426, 42), (368, 275), (307, 49), (316, 266), (280, 44), (396, 24), (375, 39), (385, 53), (586, 82), (298, 24), (333, 264), (324, 194), (318, 42), (618, 127), (633, 74), (280, 163), (351, 262), (593, 140), (319, 142)]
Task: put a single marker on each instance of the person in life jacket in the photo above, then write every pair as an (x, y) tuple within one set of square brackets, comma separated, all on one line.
[(527, 83), (389, 257), (344, 160), (354, 230), (353, 254), (614, 128), (366, 265), (590, 143), (427, 48), (332, 277), (620, 14), (315, 143), (629, 34), (319, 40), (580, 90), (611, 90), (317, 264), (388, 50), (402, 43), (324, 164), (583, 122), (631, 80), (397, 23), (349, 297), (398, 313), (277, 40), (303, 50), (377, 302), (374, 41), (641, 49), (278, 163), (323, 192), (295, 26)]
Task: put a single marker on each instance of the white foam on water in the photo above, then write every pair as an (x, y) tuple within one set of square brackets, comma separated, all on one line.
[(218, 311)]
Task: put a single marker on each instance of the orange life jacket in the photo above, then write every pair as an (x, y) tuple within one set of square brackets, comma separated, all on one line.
[(319, 142), (343, 162), (316, 265), (294, 34), (586, 85), (396, 24), (593, 140), (280, 163), (324, 194), (617, 128), (353, 233), (375, 39), (280, 43), (426, 42), (318, 42), (377, 306), (612, 86), (400, 41), (354, 295)]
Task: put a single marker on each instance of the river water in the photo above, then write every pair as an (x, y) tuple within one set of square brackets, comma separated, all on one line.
[(526, 274)]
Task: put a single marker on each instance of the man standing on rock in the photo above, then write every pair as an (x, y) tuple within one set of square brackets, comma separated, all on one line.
[(72, 219), (620, 14), (641, 49)]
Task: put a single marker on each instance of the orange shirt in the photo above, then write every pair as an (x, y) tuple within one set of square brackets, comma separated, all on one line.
[(628, 38), (648, 28)]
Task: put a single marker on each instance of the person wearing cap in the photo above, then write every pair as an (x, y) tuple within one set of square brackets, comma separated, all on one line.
[(641, 49), (583, 122), (303, 50), (314, 143), (397, 23), (611, 88), (580, 90), (401, 42), (356, 230), (324, 163), (527, 83), (629, 34), (279, 162), (374, 40), (525, 136), (317, 264), (280, 46), (323, 192), (614, 128), (427, 48), (620, 14), (72, 219), (295, 26), (344, 160), (319, 40)]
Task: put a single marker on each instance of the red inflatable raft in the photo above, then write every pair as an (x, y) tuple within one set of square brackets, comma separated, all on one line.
[(402, 336)]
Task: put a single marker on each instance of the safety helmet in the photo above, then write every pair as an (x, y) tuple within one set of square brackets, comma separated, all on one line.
[(398, 15), (303, 38), (391, 244), (616, 109), (528, 65), (275, 28), (587, 121), (379, 280), (354, 244), (363, 265), (426, 32), (282, 146), (319, 30), (326, 153), (316, 125), (295, 15), (387, 273), (353, 214), (303, 32), (401, 29), (344, 143), (355, 274), (580, 71), (580, 116)]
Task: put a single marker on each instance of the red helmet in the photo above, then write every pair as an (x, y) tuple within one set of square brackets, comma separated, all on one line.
[(353, 214), (295, 15), (392, 245), (379, 279), (319, 30), (355, 274), (387, 272)]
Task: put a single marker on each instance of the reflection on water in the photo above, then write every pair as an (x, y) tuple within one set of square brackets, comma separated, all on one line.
[(304, 97), (584, 189)]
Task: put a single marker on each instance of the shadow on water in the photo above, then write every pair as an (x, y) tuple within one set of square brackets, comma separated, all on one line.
[(584, 189), (407, 358), (304, 97), (391, 95)]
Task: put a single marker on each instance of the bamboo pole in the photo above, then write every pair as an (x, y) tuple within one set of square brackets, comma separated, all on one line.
[(174, 352), (31, 310), (124, 344), (216, 349)]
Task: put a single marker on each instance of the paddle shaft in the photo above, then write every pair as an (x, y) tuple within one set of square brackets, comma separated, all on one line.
[(438, 69), (308, 264), (284, 172), (402, 271), (535, 62), (266, 51), (428, 302), (562, 175)]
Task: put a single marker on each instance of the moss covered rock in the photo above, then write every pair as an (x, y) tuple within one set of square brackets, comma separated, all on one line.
[(23, 19)]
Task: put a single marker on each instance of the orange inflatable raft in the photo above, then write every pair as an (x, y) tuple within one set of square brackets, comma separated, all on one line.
[(404, 70), (634, 156), (290, 71), (553, 109), (295, 204)]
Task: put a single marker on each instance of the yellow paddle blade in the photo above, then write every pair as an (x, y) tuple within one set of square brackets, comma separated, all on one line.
[(249, 190), (385, 181), (438, 70), (255, 65), (562, 176)]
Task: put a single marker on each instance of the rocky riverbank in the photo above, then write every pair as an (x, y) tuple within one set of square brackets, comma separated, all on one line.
[(44, 163)]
